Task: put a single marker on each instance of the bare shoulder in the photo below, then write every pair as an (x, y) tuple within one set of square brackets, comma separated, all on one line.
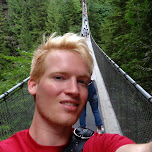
[(136, 148)]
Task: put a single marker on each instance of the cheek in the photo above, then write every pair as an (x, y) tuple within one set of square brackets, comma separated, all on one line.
[(49, 90), (85, 95)]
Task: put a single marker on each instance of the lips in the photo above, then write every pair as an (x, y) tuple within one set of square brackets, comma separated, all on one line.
[(70, 104)]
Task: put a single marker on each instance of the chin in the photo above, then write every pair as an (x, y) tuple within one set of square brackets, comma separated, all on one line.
[(67, 120), (70, 122)]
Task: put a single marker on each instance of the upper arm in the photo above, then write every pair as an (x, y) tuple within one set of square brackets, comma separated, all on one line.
[(136, 148)]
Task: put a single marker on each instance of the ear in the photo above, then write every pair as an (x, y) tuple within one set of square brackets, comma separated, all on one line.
[(32, 86)]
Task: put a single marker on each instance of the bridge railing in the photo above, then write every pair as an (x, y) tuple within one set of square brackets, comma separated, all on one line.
[(16, 110), (131, 103)]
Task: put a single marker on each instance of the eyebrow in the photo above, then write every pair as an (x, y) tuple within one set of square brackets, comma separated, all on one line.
[(66, 73)]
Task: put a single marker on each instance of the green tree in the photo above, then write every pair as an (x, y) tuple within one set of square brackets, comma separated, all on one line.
[(71, 16), (139, 18), (53, 17), (3, 42), (2, 26), (18, 69), (38, 18), (96, 13), (123, 30), (14, 20)]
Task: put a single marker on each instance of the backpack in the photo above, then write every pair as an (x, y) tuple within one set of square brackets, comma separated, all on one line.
[(80, 136)]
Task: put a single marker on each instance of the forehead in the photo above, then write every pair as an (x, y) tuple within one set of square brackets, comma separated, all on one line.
[(63, 56), (66, 60)]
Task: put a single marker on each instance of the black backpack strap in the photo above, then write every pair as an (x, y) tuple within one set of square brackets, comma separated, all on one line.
[(80, 136)]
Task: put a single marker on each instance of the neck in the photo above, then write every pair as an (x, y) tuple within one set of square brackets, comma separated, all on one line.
[(49, 135)]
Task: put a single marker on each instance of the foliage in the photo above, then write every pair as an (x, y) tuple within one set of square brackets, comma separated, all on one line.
[(53, 17), (21, 31), (71, 16), (123, 29), (17, 69)]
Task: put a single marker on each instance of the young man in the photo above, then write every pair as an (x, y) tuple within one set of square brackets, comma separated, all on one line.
[(60, 72)]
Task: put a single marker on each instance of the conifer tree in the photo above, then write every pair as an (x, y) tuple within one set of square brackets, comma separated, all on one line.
[(2, 26), (53, 17), (3, 41), (14, 19), (71, 18), (38, 18)]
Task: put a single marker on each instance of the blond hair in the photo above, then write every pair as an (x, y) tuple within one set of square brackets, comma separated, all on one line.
[(68, 42)]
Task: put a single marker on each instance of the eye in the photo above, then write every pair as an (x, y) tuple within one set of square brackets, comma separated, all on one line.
[(83, 82), (58, 77)]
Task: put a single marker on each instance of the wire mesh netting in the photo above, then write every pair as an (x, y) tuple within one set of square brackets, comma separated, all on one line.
[(16, 111), (133, 110)]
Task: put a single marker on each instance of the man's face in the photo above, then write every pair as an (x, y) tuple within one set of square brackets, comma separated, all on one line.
[(62, 90)]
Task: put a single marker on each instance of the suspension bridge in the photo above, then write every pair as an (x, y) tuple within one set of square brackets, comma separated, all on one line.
[(125, 107)]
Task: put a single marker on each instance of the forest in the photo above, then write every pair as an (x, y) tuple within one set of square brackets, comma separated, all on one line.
[(123, 29)]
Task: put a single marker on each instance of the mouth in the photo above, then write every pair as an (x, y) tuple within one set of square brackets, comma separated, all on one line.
[(70, 104)]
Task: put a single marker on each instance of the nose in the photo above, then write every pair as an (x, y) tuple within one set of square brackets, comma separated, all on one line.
[(72, 88)]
